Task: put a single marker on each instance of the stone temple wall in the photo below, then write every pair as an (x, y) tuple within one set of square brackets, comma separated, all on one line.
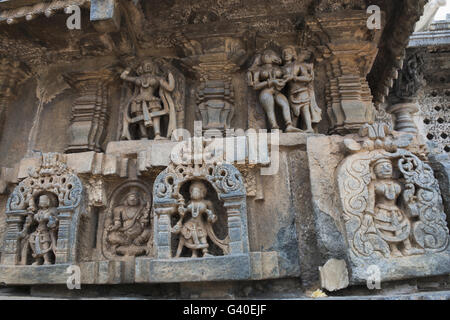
[(216, 148)]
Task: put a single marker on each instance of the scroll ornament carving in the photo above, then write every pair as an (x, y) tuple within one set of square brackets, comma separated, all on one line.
[(52, 176), (391, 200)]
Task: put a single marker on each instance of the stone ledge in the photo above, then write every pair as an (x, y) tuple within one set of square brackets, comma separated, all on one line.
[(429, 264)]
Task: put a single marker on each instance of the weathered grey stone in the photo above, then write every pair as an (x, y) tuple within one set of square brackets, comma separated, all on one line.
[(232, 267), (334, 275)]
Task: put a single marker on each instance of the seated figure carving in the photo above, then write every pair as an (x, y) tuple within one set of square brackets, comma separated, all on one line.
[(129, 233)]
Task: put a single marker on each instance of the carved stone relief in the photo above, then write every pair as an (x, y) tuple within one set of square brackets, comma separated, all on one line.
[(127, 226), (151, 102), (43, 214), (90, 110), (197, 216), (391, 200), (270, 74)]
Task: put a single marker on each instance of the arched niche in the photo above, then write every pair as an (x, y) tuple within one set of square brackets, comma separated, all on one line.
[(66, 194), (134, 221), (227, 183)]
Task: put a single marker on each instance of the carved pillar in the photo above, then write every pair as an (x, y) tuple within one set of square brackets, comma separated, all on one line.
[(403, 113), (215, 94), (89, 111), (403, 98), (353, 49), (12, 73)]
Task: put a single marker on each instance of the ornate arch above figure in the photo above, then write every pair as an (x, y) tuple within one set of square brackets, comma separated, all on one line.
[(228, 184), (64, 189), (392, 206), (127, 222)]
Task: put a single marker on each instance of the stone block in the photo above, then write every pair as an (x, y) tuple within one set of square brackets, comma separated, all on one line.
[(232, 267), (334, 275)]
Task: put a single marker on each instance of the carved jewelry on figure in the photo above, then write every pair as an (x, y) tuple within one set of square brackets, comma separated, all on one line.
[(40, 231), (128, 225), (197, 229), (274, 77), (266, 76), (389, 210), (391, 223), (152, 99), (299, 76)]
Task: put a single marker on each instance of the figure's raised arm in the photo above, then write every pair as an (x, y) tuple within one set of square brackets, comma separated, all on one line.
[(125, 76), (170, 84)]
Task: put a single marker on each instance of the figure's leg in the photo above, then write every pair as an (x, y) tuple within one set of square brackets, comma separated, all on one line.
[(410, 250), (180, 247), (268, 104), (282, 101), (394, 250), (143, 131), (306, 113), (156, 128), (37, 261), (203, 240)]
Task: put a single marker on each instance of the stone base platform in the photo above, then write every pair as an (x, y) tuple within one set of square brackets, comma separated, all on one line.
[(253, 266)]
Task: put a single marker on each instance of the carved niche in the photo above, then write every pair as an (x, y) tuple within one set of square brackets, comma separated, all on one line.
[(154, 109), (43, 215), (185, 207), (390, 197), (127, 230)]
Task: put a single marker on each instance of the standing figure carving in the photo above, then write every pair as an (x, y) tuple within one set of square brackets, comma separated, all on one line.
[(266, 76), (150, 102), (40, 232), (195, 231), (129, 231), (299, 76), (390, 222)]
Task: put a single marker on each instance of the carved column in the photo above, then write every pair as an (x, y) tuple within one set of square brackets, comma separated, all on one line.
[(12, 74), (89, 111), (214, 67), (353, 49), (403, 98)]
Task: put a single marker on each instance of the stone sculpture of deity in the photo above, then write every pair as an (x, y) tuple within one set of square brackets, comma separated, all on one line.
[(390, 222), (197, 229), (151, 101), (129, 232), (299, 76), (42, 240), (266, 76)]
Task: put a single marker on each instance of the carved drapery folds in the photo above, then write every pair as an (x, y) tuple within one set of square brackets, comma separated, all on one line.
[(391, 200), (90, 110), (43, 214), (154, 109), (197, 213), (127, 230)]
